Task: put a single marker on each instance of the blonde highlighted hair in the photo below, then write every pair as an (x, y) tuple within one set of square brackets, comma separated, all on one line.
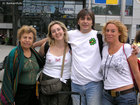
[(51, 40), (26, 29), (122, 29)]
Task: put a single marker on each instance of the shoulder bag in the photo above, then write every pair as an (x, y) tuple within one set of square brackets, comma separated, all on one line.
[(52, 86)]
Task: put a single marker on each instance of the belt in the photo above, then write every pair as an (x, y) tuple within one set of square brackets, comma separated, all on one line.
[(118, 93)]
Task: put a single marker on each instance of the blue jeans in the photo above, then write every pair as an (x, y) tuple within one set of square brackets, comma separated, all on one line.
[(91, 93), (126, 99)]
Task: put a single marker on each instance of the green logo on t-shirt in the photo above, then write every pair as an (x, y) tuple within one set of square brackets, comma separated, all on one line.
[(92, 41)]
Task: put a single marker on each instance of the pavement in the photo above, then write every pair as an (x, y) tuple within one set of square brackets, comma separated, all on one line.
[(4, 51)]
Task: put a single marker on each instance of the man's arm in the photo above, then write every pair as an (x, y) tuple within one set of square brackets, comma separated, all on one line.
[(136, 49)]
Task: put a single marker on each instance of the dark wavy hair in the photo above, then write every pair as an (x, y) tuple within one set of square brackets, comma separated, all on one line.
[(137, 37), (83, 13)]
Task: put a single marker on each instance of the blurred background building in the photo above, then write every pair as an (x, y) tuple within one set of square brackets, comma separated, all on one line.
[(39, 13)]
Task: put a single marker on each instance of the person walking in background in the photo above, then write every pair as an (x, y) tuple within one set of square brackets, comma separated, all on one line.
[(118, 84), (22, 65), (137, 42), (58, 42)]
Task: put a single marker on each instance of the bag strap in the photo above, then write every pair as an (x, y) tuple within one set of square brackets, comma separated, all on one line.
[(46, 47), (62, 67), (124, 52), (100, 41), (128, 63), (64, 54)]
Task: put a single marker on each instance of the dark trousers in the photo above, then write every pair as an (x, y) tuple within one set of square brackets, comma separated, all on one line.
[(56, 99), (25, 95)]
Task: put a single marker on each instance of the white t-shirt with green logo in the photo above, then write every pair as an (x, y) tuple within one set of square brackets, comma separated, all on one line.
[(86, 59)]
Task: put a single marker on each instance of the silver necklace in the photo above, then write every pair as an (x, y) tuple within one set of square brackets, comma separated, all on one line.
[(106, 69)]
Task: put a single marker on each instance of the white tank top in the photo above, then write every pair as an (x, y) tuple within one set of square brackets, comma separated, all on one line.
[(53, 66)]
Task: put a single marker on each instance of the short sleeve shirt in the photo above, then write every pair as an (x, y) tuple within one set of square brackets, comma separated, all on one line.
[(115, 68)]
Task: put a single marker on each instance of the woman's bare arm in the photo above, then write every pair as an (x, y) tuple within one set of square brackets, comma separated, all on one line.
[(135, 69), (41, 50), (39, 43)]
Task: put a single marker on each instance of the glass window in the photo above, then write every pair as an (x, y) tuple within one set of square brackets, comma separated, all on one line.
[(129, 8), (6, 12), (115, 10), (41, 13)]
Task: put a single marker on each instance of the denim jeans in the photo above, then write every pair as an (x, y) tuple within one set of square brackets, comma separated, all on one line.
[(91, 93), (126, 99)]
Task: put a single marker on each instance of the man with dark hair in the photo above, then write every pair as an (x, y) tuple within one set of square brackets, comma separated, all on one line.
[(86, 60)]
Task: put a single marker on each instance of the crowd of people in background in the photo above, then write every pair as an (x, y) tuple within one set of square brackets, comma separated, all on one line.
[(96, 68)]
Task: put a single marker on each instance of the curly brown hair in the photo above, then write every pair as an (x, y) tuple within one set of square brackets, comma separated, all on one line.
[(121, 28)]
